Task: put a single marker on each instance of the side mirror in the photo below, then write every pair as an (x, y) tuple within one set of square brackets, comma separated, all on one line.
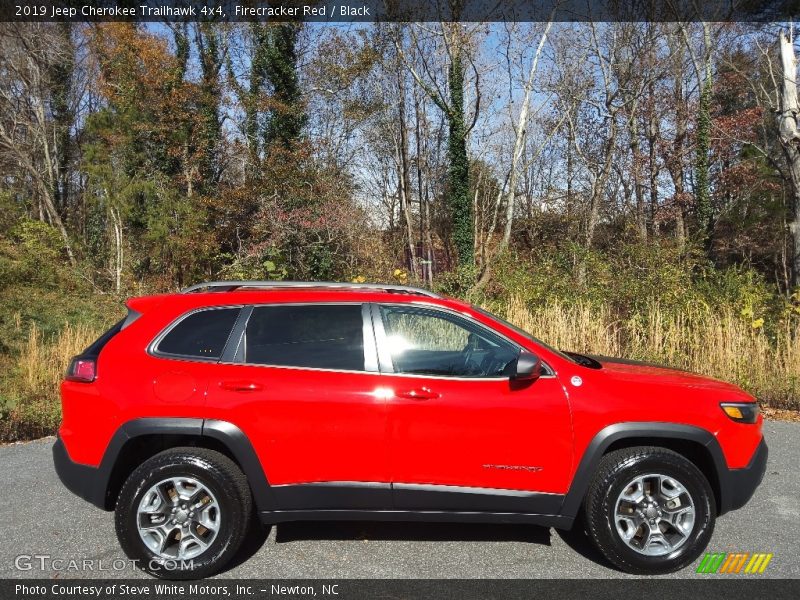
[(529, 367)]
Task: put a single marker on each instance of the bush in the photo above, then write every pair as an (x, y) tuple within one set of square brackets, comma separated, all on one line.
[(48, 313), (629, 280), (29, 405)]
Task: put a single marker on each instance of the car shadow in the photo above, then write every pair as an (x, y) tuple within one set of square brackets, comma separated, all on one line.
[(405, 531), (578, 540), (255, 538), (575, 538)]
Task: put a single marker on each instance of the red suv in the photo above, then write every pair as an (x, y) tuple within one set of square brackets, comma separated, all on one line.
[(359, 401)]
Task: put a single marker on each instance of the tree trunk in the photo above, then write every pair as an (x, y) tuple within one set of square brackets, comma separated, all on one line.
[(116, 220), (702, 177), (675, 162), (636, 169), (702, 183), (424, 199), (653, 135), (790, 140), (458, 198), (404, 172), (211, 57)]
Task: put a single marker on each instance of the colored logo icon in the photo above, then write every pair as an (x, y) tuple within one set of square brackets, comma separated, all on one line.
[(734, 563)]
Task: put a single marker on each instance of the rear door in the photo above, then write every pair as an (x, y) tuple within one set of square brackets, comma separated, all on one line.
[(302, 382)]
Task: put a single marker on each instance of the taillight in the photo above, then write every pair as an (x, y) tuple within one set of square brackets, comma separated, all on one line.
[(82, 369)]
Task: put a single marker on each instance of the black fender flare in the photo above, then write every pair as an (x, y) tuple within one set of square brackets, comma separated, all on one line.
[(620, 431), (239, 445), (97, 482)]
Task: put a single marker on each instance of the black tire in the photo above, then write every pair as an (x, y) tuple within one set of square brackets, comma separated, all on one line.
[(615, 471), (221, 476)]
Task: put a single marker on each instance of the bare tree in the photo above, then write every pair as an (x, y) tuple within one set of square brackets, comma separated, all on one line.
[(507, 193), (790, 139), (458, 43), (29, 138)]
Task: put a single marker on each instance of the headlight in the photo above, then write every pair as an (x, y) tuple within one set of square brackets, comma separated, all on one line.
[(741, 412)]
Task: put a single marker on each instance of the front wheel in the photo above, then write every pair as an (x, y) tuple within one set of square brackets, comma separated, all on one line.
[(649, 510), (183, 513)]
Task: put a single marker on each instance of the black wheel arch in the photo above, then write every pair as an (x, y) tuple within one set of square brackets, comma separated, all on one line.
[(137, 440), (694, 443)]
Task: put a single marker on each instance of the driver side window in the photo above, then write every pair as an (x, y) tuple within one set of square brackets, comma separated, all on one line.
[(422, 341)]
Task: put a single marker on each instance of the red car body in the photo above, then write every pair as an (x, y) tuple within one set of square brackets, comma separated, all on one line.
[(320, 443)]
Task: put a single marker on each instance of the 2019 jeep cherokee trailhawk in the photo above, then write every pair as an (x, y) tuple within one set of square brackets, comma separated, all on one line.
[(344, 401)]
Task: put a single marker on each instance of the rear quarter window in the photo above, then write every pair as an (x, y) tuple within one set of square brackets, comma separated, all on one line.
[(202, 334)]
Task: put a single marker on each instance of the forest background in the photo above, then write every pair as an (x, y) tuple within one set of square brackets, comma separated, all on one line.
[(615, 188)]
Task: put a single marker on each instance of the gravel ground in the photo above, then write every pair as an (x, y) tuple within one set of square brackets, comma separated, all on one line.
[(40, 517)]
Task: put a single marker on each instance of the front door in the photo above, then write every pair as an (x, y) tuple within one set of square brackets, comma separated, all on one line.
[(464, 435), (303, 389)]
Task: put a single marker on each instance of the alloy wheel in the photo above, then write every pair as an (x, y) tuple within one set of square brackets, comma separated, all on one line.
[(178, 518), (654, 514)]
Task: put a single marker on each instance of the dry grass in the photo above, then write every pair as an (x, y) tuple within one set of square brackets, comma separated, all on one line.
[(43, 363), (30, 387), (720, 344), (717, 343)]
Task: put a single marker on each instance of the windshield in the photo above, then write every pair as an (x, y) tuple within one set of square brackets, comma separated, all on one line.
[(525, 334)]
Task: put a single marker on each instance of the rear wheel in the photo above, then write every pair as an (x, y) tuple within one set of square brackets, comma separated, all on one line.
[(649, 510), (183, 513)]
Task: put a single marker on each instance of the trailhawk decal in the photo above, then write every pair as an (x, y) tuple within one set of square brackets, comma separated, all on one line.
[(513, 468)]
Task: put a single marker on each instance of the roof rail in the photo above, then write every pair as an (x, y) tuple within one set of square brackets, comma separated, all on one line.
[(227, 286)]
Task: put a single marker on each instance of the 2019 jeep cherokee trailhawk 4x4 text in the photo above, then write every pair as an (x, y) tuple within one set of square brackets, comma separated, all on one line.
[(293, 401)]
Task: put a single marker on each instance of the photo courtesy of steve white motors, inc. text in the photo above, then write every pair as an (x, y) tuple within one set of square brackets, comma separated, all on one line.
[(75, 590)]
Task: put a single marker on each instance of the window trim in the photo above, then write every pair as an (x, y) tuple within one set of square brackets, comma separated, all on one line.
[(369, 340), (152, 347), (385, 358), (235, 345)]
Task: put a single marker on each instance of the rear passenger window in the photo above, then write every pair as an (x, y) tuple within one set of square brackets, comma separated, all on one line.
[(202, 334), (316, 336)]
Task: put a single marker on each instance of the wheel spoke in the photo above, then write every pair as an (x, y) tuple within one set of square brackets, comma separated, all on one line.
[(149, 521), (199, 497), (190, 546), (155, 501), (631, 526), (209, 517), (154, 509), (634, 491), (185, 488), (682, 520), (167, 536), (670, 489), (158, 539), (656, 538)]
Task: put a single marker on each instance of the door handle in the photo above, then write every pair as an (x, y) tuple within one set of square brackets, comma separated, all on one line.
[(422, 393), (241, 386)]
